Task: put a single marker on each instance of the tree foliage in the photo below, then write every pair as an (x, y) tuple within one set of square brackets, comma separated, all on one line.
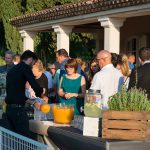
[(82, 45), (45, 46), (9, 9)]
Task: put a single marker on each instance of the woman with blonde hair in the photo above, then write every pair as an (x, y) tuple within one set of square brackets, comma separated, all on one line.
[(41, 78), (82, 63), (123, 66)]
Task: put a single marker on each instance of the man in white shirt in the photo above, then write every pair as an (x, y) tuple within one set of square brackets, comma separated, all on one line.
[(108, 80)]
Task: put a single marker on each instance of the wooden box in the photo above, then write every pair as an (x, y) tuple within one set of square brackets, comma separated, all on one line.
[(125, 125)]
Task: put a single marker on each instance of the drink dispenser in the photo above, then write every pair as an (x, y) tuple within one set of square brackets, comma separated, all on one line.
[(93, 103)]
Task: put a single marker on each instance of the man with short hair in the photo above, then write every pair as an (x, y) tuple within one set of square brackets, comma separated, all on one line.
[(62, 57), (15, 88), (140, 77), (9, 56), (108, 80)]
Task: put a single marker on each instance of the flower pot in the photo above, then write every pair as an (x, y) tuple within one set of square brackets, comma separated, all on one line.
[(125, 125)]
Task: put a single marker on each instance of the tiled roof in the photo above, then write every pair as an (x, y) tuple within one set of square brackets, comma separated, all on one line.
[(75, 9)]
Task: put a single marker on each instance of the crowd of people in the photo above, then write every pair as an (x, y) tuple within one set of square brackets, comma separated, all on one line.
[(66, 80)]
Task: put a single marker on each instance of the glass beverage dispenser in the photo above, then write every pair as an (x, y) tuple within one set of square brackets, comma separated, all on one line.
[(93, 103)]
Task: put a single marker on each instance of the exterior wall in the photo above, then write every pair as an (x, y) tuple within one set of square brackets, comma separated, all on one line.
[(137, 27), (133, 28)]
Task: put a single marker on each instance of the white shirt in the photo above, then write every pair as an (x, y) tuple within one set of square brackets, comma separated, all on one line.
[(145, 62), (108, 80)]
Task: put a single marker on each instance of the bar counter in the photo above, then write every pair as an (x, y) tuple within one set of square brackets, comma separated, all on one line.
[(69, 138)]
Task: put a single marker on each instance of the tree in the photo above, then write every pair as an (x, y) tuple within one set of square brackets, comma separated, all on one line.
[(9, 9), (82, 45), (45, 46)]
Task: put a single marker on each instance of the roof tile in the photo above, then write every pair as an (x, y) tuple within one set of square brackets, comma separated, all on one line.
[(75, 9)]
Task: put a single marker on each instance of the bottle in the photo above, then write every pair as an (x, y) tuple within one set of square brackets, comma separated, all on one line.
[(38, 115), (93, 103)]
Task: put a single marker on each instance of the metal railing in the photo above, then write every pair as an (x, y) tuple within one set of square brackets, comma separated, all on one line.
[(12, 141)]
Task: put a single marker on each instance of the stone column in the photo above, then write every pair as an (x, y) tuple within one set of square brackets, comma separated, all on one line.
[(28, 42), (111, 33), (62, 36)]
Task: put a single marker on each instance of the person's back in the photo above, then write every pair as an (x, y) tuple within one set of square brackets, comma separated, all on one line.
[(143, 74), (108, 80), (141, 77), (11, 84)]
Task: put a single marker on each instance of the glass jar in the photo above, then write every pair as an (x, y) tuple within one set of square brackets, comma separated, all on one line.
[(93, 103)]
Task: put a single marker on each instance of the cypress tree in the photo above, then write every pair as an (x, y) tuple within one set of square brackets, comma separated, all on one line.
[(9, 9)]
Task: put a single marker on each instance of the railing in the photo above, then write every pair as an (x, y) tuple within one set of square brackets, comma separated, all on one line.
[(12, 141)]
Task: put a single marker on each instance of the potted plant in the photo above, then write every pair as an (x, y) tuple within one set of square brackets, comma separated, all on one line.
[(128, 116)]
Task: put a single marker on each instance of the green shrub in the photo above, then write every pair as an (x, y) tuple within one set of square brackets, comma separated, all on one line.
[(132, 100)]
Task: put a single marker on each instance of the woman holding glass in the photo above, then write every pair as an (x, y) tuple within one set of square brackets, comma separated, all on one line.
[(72, 87)]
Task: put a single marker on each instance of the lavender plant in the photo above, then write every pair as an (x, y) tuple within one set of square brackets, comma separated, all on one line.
[(132, 100)]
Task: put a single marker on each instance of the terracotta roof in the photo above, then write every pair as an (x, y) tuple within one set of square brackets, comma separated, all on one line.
[(75, 9)]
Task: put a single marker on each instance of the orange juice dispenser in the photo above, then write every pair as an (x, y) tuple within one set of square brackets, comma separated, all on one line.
[(62, 113)]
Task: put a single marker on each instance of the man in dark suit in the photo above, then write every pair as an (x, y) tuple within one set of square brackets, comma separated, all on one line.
[(140, 77)]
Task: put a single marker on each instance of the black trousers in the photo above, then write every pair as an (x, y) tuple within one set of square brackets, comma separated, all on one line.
[(18, 120)]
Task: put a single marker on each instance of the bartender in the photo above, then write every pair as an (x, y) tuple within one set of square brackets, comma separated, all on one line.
[(15, 93)]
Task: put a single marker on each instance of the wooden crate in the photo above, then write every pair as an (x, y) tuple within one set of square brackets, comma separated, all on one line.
[(126, 125)]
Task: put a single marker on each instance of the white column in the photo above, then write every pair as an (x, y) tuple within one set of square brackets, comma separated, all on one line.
[(111, 33), (28, 42), (62, 36)]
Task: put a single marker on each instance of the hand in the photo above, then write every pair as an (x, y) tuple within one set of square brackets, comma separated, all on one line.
[(45, 98), (27, 85), (74, 95), (70, 95), (44, 90), (32, 94), (67, 95), (37, 105)]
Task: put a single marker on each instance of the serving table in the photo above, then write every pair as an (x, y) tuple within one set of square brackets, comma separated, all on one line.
[(69, 138)]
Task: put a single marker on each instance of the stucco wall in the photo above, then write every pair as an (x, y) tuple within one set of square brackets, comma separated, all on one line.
[(137, 27)]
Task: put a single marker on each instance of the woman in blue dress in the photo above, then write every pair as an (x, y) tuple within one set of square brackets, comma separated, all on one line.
[(72, 87)]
